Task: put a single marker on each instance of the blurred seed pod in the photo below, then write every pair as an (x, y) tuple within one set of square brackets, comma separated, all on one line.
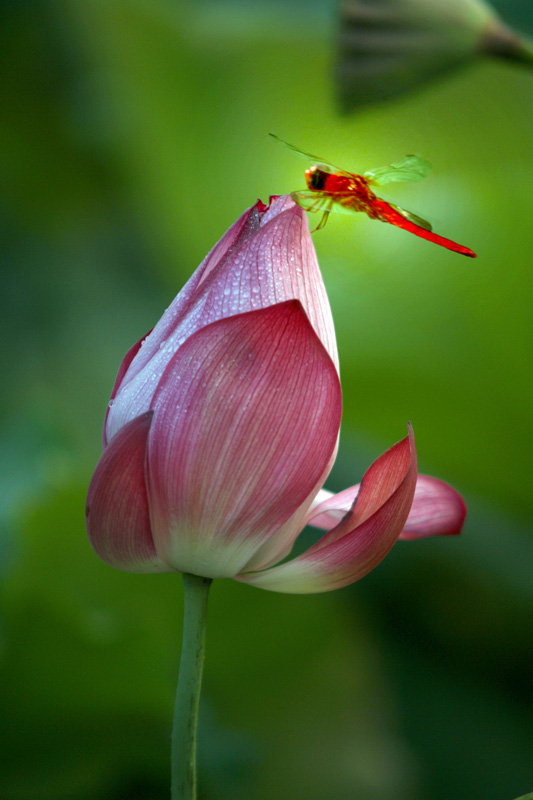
[(387, 47)]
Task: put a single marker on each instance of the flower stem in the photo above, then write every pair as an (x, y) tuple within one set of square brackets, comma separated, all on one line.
[(183, 754)]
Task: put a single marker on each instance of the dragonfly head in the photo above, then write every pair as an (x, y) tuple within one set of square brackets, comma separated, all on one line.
[(315, 178)]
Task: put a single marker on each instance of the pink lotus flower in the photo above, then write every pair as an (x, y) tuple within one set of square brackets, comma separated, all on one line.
[(223, 426)]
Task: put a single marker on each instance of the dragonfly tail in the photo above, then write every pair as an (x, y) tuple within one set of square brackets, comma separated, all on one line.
[(389, 214)]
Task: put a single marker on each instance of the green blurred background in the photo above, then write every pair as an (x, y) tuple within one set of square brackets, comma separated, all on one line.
[(133, 133)]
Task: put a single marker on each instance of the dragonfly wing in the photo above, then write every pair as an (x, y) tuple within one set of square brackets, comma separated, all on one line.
[(411, 168), (321, 201), (408, 215), (310, 157)]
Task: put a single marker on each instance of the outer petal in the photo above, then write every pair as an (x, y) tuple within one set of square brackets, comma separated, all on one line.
[(117, 515), (246, 418), (363, 538), (437, 510), (271, 260)]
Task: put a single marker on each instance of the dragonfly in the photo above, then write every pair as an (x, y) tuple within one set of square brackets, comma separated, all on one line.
[(330, 188)]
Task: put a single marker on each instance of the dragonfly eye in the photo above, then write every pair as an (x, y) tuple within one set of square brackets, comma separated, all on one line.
[(315, 178)]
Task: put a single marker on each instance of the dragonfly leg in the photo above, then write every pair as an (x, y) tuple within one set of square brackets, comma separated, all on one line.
[(323, 218)]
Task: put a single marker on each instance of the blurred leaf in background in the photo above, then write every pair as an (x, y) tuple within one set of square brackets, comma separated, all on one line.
[(132, 133)]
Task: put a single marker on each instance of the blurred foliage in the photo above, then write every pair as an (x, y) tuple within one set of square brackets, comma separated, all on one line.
[(388, 47), (132, 133)]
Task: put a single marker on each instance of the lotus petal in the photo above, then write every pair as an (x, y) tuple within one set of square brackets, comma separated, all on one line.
[(117, 513), (246, 418)]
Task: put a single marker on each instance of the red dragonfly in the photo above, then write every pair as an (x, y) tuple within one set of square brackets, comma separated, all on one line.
[(334, 189)]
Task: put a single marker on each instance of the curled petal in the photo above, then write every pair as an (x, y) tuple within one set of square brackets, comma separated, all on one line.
[(271, 259), (117, 513), (362, 539), (437, 510), (246, 418)]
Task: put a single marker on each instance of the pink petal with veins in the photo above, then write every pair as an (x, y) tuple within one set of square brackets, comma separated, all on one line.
[(246, 418), (363, 538), (117, 515)]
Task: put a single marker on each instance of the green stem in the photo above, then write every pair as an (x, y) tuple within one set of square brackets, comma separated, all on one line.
[(183, 755)]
